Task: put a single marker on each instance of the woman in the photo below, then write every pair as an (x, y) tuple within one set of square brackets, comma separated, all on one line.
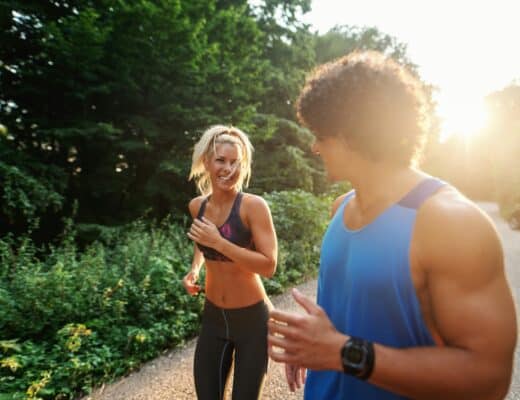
[(234, 237)]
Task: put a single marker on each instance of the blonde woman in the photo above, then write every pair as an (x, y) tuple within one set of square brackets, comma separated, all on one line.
[(235, 238)]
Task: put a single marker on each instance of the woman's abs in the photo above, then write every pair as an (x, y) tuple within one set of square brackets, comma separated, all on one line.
[(229, 287)]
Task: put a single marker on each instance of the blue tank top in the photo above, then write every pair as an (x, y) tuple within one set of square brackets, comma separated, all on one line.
[(366, 289)]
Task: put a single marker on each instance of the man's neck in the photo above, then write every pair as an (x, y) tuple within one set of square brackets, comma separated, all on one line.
[(381, 184)]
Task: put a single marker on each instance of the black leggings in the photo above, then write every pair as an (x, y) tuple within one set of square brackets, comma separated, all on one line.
[(242, 331)]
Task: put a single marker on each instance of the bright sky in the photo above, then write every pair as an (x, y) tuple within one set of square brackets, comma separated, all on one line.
[(466, 48)]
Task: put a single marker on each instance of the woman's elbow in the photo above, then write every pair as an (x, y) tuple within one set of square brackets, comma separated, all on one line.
[(270, 267)]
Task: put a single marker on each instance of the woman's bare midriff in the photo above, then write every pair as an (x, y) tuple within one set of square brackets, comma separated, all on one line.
[(229, 286)]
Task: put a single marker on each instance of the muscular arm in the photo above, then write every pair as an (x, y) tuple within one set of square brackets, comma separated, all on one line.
[(472, 309)]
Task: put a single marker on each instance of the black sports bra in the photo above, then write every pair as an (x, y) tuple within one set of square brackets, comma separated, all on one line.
[(232, 229)]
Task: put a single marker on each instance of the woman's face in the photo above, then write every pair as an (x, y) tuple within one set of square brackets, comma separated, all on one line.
[(224, 166)]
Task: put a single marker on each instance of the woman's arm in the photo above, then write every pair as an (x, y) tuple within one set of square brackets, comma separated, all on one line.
[(190, 279)]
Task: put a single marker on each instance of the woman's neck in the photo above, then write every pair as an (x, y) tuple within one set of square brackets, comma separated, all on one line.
[(223, 196)]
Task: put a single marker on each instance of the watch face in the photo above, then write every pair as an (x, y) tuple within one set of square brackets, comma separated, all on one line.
[(355, 355), (358, 357)]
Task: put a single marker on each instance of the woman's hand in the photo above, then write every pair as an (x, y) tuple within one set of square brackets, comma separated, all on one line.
[(204, 232), (190, 283)]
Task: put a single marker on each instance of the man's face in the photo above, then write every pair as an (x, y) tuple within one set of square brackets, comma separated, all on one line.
[(333, 152)]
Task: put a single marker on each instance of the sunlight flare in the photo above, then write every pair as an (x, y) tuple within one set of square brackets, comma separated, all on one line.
[(465, 116)]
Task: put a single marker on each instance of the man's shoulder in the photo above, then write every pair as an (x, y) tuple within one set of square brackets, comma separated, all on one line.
[(450, 209), (451, 227)]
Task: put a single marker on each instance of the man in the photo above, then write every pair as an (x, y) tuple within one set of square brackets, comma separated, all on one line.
[(412, 297)]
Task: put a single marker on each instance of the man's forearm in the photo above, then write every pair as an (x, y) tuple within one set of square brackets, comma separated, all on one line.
[(440, 373)]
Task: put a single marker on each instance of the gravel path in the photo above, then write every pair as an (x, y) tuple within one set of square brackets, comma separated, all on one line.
[(169, 377)]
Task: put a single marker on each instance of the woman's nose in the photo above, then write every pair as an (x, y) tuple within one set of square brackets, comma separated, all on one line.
[(227, 167)]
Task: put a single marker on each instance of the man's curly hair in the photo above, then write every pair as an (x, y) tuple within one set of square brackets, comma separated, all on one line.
[(372, 102)]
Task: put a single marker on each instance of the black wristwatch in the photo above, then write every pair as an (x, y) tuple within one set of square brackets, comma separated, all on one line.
[(357, 357)]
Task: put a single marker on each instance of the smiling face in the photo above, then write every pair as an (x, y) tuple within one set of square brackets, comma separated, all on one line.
[(223, 166), (222, 156)]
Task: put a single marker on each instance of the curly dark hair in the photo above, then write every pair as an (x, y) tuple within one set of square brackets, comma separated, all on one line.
[(371, 101)]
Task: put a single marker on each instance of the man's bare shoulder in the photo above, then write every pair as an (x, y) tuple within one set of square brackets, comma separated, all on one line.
[(451, 210), (451, 229)]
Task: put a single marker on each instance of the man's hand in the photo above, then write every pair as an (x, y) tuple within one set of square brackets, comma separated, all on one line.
[(295, 376), (204, 232), (307, 340)]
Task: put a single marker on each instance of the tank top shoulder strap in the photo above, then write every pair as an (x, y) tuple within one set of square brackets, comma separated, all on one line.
[(345, 201), (235, 209), (202, 207), (422, 191), (347, 198)]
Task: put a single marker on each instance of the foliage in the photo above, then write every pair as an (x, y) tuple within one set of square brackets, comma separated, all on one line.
[(72, 319), (88, 316), (102, 100), (300, 220), (502, 137), (283, 160), (25, 196), (112, 94), (344, 39)]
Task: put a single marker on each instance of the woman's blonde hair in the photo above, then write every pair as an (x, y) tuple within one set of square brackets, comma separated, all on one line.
[(206, 147)]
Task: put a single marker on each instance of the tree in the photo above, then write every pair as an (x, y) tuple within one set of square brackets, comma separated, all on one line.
[(502, 141), (343, 39), (111, 94)]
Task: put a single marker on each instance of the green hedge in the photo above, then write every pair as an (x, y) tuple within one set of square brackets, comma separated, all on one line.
[(72, 319), (300, 219)]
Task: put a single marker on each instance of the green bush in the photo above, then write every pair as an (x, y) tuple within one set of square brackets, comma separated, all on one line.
[(74, 318), (300, 219)]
